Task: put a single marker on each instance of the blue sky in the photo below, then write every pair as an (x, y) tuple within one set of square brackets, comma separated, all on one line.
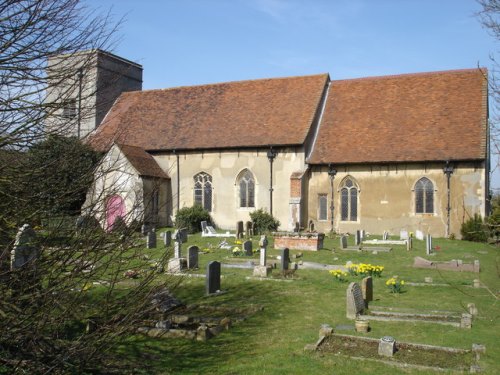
[(190, 42)]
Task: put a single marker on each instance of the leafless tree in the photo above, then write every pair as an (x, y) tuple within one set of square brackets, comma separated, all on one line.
[(81, 276)]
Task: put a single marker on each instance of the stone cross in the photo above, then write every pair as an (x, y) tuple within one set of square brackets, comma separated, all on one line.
[(428, 245), (247, 247), (212, 281), (167, 238), (285, 258), (354, 301), (25, 250), (367, 289), (151, 239), (239, 229), (192, 258)]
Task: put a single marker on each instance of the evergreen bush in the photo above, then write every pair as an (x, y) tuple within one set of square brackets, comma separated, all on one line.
[(191, 218), (474, 229), (263, 221)]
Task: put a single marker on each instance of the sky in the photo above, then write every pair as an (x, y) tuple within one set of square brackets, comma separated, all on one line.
[(191, 42)]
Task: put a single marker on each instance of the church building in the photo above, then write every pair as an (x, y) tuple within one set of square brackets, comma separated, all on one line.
[(404, 152)]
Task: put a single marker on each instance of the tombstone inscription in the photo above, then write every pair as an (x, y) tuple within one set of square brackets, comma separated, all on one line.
[(354, 301)]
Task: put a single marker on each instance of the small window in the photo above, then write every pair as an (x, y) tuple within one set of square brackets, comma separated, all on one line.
[(203, 190), (69, 109), (247, 189), (349, 200), (424, 196), (322, 207)]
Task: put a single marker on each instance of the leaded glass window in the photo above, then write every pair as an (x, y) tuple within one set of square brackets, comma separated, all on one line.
[(424, 196), (203, 190), (247, 189), (322, 207), (348, 200)]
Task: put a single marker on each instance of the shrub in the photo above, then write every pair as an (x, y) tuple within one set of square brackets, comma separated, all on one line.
[(263, 221), (474, 229), (191, 218)]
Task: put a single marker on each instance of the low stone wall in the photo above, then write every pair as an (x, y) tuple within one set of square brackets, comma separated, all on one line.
[(298, 241)]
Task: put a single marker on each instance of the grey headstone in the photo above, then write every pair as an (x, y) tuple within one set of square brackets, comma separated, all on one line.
[(343, 242), (151, 240), (409, 243), (285, 258), (167, 238), (385, 236), (403, 235), (311, 226), (419, 235), (247, 248), (144, 229), (262, 258), (358, 238), (183, 235), (354, 301), (428, 245), (367, 289), (296, 229), (387, 346), (177, 249), (212, 281), (466, 321), (192, 257), (249, 228), (203, 227), (239, 229), (25, 250)]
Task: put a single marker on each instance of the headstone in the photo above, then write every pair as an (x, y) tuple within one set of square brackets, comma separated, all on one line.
[(263, 250), (296, 229), (167, 238), (354, 301), (239, 229), (177, 236), (177, 249), (409, 243), (247, 248), (428, 279), (363, 234), (144, 229), (192, 257), (212, 282), (476, 266), (387, 346), (472, 308), (466, 321), (285, 258), (25, 250), (358, 238), (343, 242), (428, 245), (204, 227), (151, 241), (403, 235), (311, 226), (385, 236), (183, 235), (367, 289), (476, 283), (419, 235), (249, 229)]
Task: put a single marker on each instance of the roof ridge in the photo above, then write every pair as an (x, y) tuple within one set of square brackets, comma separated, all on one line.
[(418, 74)]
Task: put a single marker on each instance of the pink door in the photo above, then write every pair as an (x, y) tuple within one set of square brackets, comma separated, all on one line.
[(115, 207)]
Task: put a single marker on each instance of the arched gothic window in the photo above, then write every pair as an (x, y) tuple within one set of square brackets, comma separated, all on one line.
[(246, 183), (424, 196), (203, 190), (349, 200)]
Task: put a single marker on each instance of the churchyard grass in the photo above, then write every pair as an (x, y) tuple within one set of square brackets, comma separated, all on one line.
[(272, 341)]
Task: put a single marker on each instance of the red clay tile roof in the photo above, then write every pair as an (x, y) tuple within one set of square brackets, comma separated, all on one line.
[(143, 162), (405, 118), (226, 115)]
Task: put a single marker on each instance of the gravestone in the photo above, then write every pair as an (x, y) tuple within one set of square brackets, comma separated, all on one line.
[(262, 270), (358, 238), (192, 257), (343, 242), (204, 227), (249, 229), (409, 243), (419, 235), (466, 321), (151, 240), (367, 289), (247, 248), (403, 235), (363, 234), (387, 346), (385, 236), (25, 250), (167, 238), (285, 254), (177, 249), (183, 232), (144, 229), (428, 245), (239, 229), (212, 281), (311, 226), (354, 301), (296, 229)]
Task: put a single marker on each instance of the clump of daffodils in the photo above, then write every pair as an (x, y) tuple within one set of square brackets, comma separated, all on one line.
[(395, 285), (339, 275), (236, 251), (364, 269)]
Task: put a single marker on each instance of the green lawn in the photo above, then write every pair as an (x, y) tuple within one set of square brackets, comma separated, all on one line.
[(272, 341)]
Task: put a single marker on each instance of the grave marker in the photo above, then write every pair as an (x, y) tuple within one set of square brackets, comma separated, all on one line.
[(409, 243), (367, 289), (239, 229), (212, 282), (428, 245), (285, 254), (354, 301), (247, 247), (192, 258), (151, 239), (403, 235), (385, 236), (167, 238), (387, 346), (357, 240), (249, 229), (343, 242), (419, 235)]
